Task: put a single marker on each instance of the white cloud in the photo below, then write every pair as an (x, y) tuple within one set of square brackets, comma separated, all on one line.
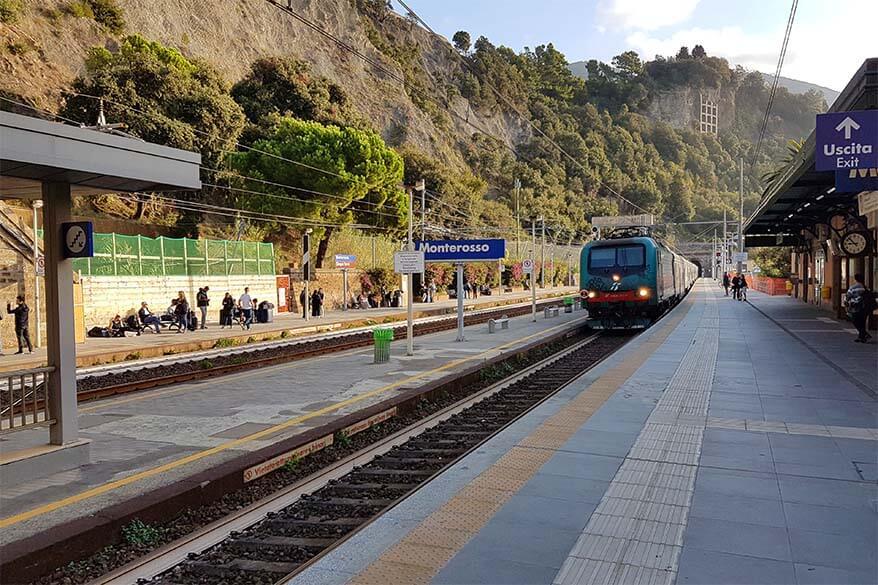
[(817, 52), (644, 14)]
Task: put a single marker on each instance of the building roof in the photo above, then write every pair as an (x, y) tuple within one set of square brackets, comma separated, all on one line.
[(802, 197), (33, 151)]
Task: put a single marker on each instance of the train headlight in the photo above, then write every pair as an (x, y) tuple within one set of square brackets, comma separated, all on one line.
[(616, 278), (643, 292), (592, 294)]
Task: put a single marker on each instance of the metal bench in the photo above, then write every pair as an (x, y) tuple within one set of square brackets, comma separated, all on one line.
[(551, 312), (503, 322)]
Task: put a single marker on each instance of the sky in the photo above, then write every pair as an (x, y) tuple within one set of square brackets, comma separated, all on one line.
[(829, 41)]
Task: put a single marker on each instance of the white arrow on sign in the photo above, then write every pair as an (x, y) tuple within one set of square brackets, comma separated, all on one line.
[(847, 125)]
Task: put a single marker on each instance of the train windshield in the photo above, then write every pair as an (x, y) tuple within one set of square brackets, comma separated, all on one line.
[(631, 256)]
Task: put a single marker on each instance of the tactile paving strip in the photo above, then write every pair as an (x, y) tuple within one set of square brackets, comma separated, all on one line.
[(635, 534), (450, 527)]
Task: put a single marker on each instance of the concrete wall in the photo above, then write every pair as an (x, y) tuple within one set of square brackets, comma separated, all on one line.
[(104, 296)]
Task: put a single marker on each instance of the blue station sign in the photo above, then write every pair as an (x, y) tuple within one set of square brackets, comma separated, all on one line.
[(462, 250), (847, 140), (856, 180)]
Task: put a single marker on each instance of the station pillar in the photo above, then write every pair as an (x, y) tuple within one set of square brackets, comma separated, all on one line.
[(60, 336)]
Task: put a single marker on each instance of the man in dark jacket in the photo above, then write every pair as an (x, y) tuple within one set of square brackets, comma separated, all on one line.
[(202, 300), (22, 317)]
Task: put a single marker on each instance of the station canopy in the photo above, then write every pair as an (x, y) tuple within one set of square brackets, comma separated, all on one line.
[(802, 197)]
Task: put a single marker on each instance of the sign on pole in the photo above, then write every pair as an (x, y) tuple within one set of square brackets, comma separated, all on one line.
[(739, 257), (40, 266), (345, 261), (527, 266), (846, 140), (408, 262), (462, 250)]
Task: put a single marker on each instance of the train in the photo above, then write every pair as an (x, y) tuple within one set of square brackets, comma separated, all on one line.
[(629, 279)]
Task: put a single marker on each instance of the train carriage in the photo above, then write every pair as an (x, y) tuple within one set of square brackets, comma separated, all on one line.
[(629, 279)]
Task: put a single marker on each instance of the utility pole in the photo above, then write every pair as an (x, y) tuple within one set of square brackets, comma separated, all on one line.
[(533, 272), (423, 227), (741, 218), (38, 203), (725, 243), (714, 263), (306, 271), (543, 253), (517, 218)]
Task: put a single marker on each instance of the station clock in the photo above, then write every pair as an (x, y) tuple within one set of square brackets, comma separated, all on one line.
[(855, 243)]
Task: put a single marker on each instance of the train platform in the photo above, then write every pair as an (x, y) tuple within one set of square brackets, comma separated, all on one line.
[(144, 442), (96, 351), (733, 442)]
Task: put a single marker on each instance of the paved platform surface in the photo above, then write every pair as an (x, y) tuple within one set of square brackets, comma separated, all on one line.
[(107, 350), (716, 448), (148, 439)]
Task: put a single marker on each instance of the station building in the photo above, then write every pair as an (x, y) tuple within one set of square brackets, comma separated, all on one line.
[(804, 209)]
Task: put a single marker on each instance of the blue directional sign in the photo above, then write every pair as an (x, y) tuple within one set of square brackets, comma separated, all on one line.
[(462, 250), (856, 180), (77, 239), (847, 140)]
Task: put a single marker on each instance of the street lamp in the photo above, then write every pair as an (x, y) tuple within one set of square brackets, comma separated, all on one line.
[(37, 204)]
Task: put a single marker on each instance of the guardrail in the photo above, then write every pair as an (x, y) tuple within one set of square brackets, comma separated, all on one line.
[(23, 398)]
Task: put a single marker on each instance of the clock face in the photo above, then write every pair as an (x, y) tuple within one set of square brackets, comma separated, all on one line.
[(75, 239), (854, 243)]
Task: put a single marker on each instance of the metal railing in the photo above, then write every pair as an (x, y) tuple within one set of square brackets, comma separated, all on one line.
[(24, 401)]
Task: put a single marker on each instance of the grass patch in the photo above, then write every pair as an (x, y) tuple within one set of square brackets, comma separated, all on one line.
[(140, 534), (80, 9), (225, 342), (108, 13), (133, 356), (10, 11), (284, 334), (205, 364), (341, 438), (292, 464)]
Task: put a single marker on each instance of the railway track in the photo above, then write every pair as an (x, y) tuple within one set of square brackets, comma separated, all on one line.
[(104, 381), (276, 538)]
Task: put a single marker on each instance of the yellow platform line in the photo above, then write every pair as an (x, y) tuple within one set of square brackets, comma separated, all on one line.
[(147, 473)]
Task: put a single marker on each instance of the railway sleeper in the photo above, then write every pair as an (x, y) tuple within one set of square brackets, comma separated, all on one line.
[(227, 570), (257, 543)]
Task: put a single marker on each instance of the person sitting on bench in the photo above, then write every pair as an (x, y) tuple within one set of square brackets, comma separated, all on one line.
[(148, 319)]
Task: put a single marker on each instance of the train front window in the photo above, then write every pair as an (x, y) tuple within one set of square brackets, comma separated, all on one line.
[(629, 256), (602, 257), (609, 257)]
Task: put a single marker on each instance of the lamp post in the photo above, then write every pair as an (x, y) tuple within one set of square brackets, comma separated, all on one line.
[(37, 204)]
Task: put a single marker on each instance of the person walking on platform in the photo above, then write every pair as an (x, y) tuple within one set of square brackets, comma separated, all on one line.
[(22, 318), (227, 311), (736, 286), (726, 282), (245, 303), (202, 300), (181, 312), (859, 302), (742, 288)]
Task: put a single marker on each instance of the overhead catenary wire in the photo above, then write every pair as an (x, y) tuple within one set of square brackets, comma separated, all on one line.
[(775, 81)]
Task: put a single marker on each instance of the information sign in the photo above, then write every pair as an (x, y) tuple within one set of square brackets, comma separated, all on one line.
[(40, 266), (527, 266), (846, 140), (345, 261), (408, 262), (856, 180), (462, 250), (739, 257), (77, 239)]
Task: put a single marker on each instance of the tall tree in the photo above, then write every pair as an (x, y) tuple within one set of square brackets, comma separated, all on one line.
[(462, 41), (351, 177)]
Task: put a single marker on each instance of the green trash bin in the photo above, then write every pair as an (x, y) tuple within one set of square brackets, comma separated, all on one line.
[(382, 337), (568, 304)]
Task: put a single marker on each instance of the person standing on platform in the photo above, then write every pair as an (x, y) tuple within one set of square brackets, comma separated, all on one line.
[(302, 302), (245, 303), (322, 297), (22, 319), (181, 312), (227, 311), (431, 291), (726, 282), (315, 304), (742, 290), (202, 300), (859, 302)]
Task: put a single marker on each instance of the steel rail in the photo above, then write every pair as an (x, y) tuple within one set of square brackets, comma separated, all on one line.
[(172, 554)]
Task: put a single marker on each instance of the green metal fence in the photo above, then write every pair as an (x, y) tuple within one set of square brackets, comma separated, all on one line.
[(117, 255)]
